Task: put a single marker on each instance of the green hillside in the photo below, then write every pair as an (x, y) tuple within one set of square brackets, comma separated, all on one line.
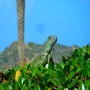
[(9, 56)]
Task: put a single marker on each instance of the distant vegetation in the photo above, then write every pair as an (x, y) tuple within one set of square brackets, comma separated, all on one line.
[(72, 73), (9, 56)]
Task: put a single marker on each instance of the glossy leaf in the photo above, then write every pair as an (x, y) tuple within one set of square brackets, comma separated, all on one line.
[(72, 84), (1, 87), (82, 87), (24, 87), (61, 75), (71, 75), (35, 69)]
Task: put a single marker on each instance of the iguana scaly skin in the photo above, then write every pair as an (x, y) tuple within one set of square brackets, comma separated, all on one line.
[(46, 55)]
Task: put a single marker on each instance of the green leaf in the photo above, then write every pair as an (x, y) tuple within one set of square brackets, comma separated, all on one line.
[(75, 89), (89, 50), (1, 87), (75, 61), (24, 87), (37, 88), (67, 68), (87, 83), (78, 70), (21, 81), (61, 75), (72, 83), (82, 87), (70, 76), (71, 67), (47, 76), (28, 82), (60, 65), (53, 73), (8, 88), (85, 69), (60, 88), (63, 59), (35, 69), (55, 82)]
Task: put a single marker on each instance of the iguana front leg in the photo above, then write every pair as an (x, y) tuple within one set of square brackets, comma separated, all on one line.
[(45, 59), (50, 61), (42, 59)]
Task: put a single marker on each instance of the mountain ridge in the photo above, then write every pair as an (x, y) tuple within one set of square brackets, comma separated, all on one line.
[(9, 56)]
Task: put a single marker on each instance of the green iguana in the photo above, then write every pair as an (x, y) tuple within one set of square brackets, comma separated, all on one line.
[(46, 56)]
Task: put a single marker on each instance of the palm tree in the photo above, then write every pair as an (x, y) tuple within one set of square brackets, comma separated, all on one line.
[(21, 45)]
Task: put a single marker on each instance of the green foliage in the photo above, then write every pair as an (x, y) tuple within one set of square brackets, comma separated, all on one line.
[(73, 73)]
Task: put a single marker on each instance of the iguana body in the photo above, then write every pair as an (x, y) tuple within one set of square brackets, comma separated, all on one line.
[(46, 55)]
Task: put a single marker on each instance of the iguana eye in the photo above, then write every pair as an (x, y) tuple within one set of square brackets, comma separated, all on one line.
[(49, 38)]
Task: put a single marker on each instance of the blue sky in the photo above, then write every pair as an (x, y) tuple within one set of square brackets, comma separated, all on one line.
[(69, 20)]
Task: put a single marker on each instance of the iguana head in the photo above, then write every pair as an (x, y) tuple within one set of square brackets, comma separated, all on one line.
[(49, 44)]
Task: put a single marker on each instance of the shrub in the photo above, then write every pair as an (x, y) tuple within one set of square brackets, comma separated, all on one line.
[(73, 73)]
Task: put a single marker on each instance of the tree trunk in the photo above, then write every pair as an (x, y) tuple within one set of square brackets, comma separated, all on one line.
[(21, 45)]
